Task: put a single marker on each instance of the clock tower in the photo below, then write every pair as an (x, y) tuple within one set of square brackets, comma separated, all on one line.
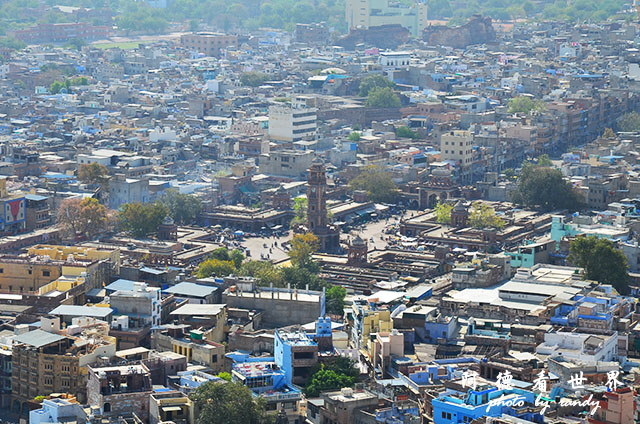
[(317, 221)]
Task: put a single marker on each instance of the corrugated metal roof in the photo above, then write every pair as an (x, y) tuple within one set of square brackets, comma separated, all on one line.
[(191, 289), (38, 338), (82, 311)]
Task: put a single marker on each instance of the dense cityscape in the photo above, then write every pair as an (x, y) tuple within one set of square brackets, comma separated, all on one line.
[(345, 211)]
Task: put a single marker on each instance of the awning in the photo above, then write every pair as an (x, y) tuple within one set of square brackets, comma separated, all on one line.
[(171, 408)]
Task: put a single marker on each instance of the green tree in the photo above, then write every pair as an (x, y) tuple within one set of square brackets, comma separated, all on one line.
[(383, 98), (484, 216), (509, 173), (299, 278), (327, 379), (266, 273), (335, 299), (82, 216), (141, 219), (629, 122), (183, 208), (543, 160), (302, 247), (545, 188), (406, 132), (601, 261), (253, 79), (215, 267), (237, 257), (377, 183), (227, 403), (354, 136), (300, 210), (608, 134), (225, 376), (372, 82), (56, 87), (525, 105), (12, 43), (443, 212), (93, 173)]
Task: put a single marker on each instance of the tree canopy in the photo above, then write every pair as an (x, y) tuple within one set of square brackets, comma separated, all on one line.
[(83, 216), (354, 136), (406, 132), (93, 173), (545, 188), (629, 122), (183, 208), (377, 183), (227, 403), (335, 299), (333, 374), (484, 216), (302, 247), (525, 105), (372, 82), (443, 212), (601, 261), (253, 79), (220, 263), (383, 97), (141, 219)]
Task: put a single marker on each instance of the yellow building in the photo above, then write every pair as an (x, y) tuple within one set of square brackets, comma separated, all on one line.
[(45, 264), (78, 252), (375, 322), (170, 406)]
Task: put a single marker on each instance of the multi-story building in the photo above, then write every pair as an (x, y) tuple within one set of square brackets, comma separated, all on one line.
[(457, 146), (172, 406), (286, 163), (38, 212), (120, 391), (142, 305), (59, 33), (52, 360), (13, 213), (295, 354), (287, 123), (341, 406), (211, 44), (372, 13), (127, 190)]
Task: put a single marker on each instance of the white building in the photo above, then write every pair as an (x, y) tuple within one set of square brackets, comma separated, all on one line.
[(457, 146), (371, 13), (292, 124), (394, 60), (580, 347)]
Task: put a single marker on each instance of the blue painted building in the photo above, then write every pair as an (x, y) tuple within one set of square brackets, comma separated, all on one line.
[(295, 354), (453, 406)]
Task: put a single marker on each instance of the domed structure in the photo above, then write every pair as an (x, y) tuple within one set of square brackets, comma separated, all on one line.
[(459, 215), (357, 255), (168, 230)]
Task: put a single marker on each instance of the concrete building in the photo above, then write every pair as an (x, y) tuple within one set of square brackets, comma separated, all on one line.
[(14, 210), (287, 123), (142, 305), (209, 318), (58, 410), (170, 406), (52, 362), (453, 406), (279, 307), (582, 347), (341, 406), (372, 13), (286, 163), (457, 146), (208, 43), (127, 190), (295, 354), (120, 391), (386, 346)]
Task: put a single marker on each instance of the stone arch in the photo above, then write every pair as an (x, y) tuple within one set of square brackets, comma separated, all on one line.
[(106, 407)]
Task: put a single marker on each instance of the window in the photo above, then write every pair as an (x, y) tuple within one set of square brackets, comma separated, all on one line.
[(46, 273), (214, 358), (1, 270)]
